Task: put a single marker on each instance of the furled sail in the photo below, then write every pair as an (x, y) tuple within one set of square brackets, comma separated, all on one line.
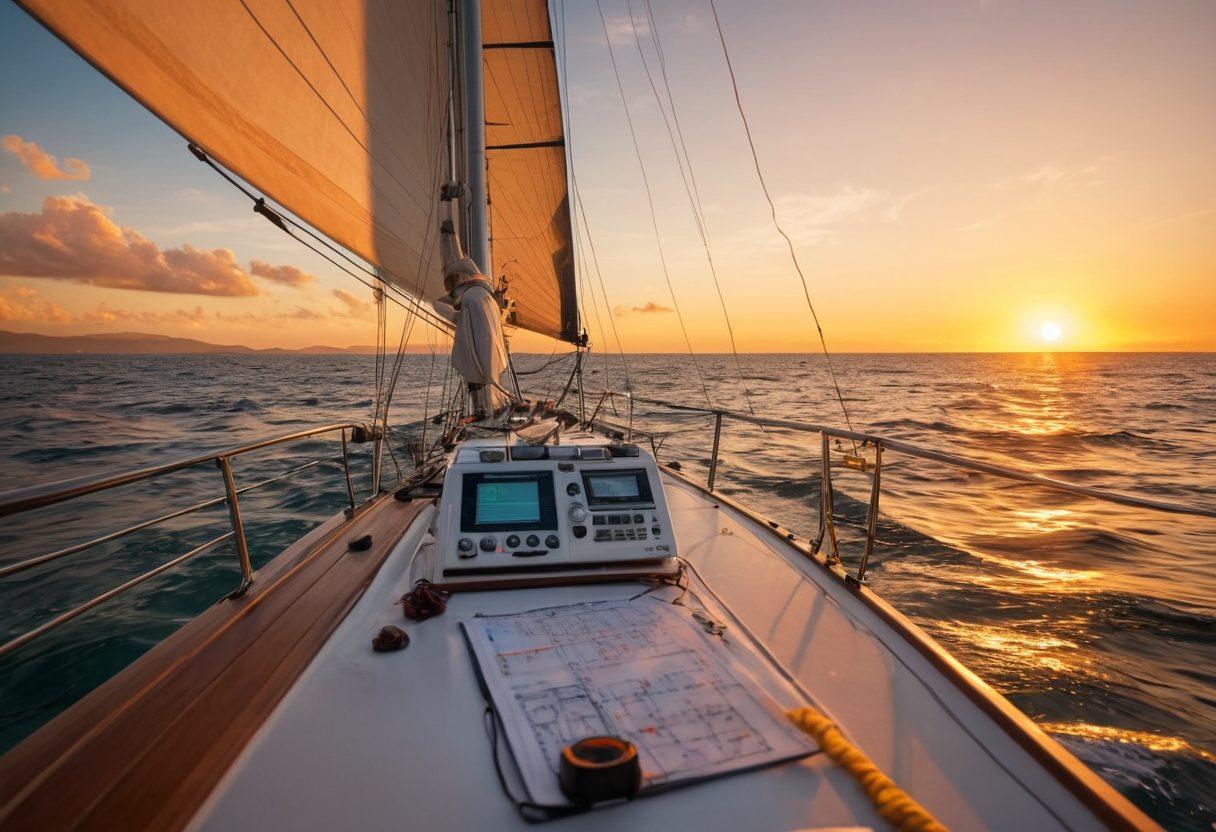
[(525, 156)]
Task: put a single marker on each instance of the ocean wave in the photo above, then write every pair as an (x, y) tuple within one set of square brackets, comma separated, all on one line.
[(243, 406)]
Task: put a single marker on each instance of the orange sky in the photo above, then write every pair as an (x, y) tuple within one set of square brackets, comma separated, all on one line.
[(954, 176)]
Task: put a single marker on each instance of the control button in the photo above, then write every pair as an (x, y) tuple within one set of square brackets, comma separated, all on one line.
[(637, 518), (603, 534), (655, 530), (573, 489), (599, 520), (532, 540), (512, 541), (577, 513), (489, 543), (623, 519), (579, 531), (465, 544), (552, 542), (614, 519)]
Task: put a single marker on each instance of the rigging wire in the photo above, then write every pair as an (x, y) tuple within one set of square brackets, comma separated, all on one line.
[(282, 220), (694, 197), (563, 99), (773, 211), (650, 201)]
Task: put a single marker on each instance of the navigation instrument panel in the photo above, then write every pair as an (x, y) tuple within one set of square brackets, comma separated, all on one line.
[(551, 508)]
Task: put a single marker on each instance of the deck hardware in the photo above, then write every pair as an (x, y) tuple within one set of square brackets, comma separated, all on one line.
[(826, 526), (238, 528), (30, 498), (360, 544), (713, 458), (63, 618), (872, 514), (350, 486), (390, 638)]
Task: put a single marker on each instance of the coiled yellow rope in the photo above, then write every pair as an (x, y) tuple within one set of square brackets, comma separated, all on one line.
[(893, 803)]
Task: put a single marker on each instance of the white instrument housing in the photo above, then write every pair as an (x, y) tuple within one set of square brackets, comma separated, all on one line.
[(510, 509)]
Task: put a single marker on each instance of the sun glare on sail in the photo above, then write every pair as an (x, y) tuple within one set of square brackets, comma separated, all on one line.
[(1050, 332)]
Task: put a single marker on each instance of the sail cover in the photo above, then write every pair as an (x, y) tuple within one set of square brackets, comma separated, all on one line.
[(337, 110), (525, 157)]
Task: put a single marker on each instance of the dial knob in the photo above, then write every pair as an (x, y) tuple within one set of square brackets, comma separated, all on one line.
[(573, 489), (533, 541), (577, 513), (512, 541), (552, 542), (489, 543), (465, 544)]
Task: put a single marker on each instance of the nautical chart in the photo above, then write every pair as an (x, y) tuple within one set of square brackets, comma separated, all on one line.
[(642, 670)]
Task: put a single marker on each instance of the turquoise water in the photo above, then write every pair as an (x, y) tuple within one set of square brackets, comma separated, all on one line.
[(1098, 621)]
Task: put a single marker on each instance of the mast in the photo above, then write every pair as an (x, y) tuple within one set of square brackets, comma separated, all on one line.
[(477, 233)]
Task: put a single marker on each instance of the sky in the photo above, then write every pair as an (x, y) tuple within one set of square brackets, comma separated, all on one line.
[(955, 175)]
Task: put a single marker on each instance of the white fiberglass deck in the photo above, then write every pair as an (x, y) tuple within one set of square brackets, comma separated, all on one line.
[(393, 741)]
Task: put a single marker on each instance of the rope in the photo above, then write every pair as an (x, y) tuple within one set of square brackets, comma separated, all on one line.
[(895, 805), (773, 211)]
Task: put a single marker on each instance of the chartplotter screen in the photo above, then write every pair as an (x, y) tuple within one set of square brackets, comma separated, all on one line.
[(508, 502)]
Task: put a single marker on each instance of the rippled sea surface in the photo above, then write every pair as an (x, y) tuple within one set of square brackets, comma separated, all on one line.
[(1097, 620)]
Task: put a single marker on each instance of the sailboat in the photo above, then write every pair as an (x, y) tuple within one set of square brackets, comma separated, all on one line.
[(590, 637)]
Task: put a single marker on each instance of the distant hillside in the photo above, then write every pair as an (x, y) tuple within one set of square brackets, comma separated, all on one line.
[(142, 343)]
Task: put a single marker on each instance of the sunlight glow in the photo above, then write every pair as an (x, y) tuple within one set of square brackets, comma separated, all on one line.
[(1050, 332)]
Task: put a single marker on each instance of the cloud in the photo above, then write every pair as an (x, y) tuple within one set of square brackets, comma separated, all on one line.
[(1054, 174), (622, 26), (649, 308), (105, 314), (287, 275), (300, 313), (355, 308), (21, 303), (811, 219), (73, 239), (42, 164)]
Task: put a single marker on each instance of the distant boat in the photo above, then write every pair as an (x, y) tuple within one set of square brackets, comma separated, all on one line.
[(271, 710)]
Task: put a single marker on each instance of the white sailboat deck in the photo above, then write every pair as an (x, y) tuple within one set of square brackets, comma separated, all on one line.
[(391, 741)]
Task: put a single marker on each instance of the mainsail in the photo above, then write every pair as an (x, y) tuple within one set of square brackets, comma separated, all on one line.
[(525, 157), (338, 110)]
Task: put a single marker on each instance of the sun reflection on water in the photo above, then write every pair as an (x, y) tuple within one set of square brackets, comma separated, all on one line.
[(1017, 647), (1144, 739)]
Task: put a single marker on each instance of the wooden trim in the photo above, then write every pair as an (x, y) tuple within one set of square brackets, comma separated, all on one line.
[(1112, 808), (144, 750)]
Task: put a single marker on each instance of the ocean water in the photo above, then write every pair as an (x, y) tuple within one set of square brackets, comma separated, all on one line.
[(1097, 620)]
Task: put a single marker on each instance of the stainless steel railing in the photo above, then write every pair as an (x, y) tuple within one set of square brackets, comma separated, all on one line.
[(48, 494), (827, 529)]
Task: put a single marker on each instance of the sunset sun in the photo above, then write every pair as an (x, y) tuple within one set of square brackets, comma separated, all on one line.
[(1049, 332)]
